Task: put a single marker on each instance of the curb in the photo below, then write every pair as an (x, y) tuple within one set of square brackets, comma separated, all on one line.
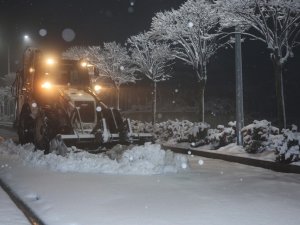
[(276, 166), (30, 215)]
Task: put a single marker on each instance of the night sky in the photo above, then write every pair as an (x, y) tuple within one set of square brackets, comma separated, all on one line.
[(93, 22)]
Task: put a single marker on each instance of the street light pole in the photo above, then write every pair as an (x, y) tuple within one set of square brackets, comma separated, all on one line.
[(8, 60), (239, 86)]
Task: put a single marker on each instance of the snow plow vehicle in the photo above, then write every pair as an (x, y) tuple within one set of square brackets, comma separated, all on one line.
[(56, 107)]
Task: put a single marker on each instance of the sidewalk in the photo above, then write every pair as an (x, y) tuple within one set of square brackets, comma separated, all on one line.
[(229, 153)]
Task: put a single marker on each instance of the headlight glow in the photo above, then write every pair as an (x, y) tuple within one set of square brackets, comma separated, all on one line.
[(46, 85), (97, 88), (50, 61)]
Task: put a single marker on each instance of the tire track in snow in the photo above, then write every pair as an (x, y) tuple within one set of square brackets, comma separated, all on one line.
[(27, 211)]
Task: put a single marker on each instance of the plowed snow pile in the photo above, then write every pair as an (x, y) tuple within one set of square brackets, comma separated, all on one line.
[(141, 160)]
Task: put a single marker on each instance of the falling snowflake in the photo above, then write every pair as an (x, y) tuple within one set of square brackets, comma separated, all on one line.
[(43, 32), (200, 162), (189, 152), (183, 165), (190, 24), (130, 9), (68, 34), (159, 116)]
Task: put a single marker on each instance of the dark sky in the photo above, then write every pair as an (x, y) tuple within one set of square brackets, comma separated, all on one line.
[(93, 22)]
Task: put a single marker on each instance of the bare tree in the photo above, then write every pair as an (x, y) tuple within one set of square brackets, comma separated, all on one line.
[(277, 24), (151, 59), (193, 32), (8, 79), (113, 62)]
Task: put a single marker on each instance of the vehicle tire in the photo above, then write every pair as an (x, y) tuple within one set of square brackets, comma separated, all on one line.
[(41, 133), (25, 127)]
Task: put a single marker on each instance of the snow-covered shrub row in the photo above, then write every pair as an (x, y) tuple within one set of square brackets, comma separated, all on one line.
[(222, 135), (261, 135), (286, 145), (173, 130), (197, 133), (256, 135)]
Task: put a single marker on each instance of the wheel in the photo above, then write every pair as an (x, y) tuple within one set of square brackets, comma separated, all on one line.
[(41, 133), (25, 127)]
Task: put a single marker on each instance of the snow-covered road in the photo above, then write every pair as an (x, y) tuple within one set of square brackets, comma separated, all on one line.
[(167, 191)]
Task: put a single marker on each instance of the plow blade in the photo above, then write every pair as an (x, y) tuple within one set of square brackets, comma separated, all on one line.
[(60, 143)]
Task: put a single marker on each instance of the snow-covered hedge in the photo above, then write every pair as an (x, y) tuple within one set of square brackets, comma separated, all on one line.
[(222, 135), (287, 145), (170, 130), (261, 135), (197, 133), (256, 135)]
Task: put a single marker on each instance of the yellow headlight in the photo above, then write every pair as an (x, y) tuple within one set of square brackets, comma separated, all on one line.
[(50, 61), (97, 88), (84, 64), (46, 85)]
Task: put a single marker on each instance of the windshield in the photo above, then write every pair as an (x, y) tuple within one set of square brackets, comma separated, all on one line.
[(71, 75)]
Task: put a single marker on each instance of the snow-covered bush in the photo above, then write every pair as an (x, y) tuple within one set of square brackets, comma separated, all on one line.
[(177, 131), (286, 145), (222, 135), (256, 135)]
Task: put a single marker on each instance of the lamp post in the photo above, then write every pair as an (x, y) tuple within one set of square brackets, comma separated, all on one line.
[(8, 60), (239, 86)]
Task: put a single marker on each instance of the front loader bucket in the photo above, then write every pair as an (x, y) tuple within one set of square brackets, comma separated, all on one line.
[(58, 146)]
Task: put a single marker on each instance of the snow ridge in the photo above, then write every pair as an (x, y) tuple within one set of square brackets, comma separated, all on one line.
[(148, 159)]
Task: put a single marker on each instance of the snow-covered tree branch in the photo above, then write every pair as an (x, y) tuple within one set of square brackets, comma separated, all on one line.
[(113, 61), (76, 53), (275, 23), (193, 32), (8, 79), (151, 59)]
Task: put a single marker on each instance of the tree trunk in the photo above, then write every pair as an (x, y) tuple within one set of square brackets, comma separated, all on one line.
[(281, 116), (154, 103), (201, 90), (118, 97)]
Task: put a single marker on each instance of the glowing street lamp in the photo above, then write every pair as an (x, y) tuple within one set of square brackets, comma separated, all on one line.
[(26, 39)]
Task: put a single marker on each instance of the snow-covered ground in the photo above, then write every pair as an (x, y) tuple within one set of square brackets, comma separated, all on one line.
[(147, 186), (9, 214)]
